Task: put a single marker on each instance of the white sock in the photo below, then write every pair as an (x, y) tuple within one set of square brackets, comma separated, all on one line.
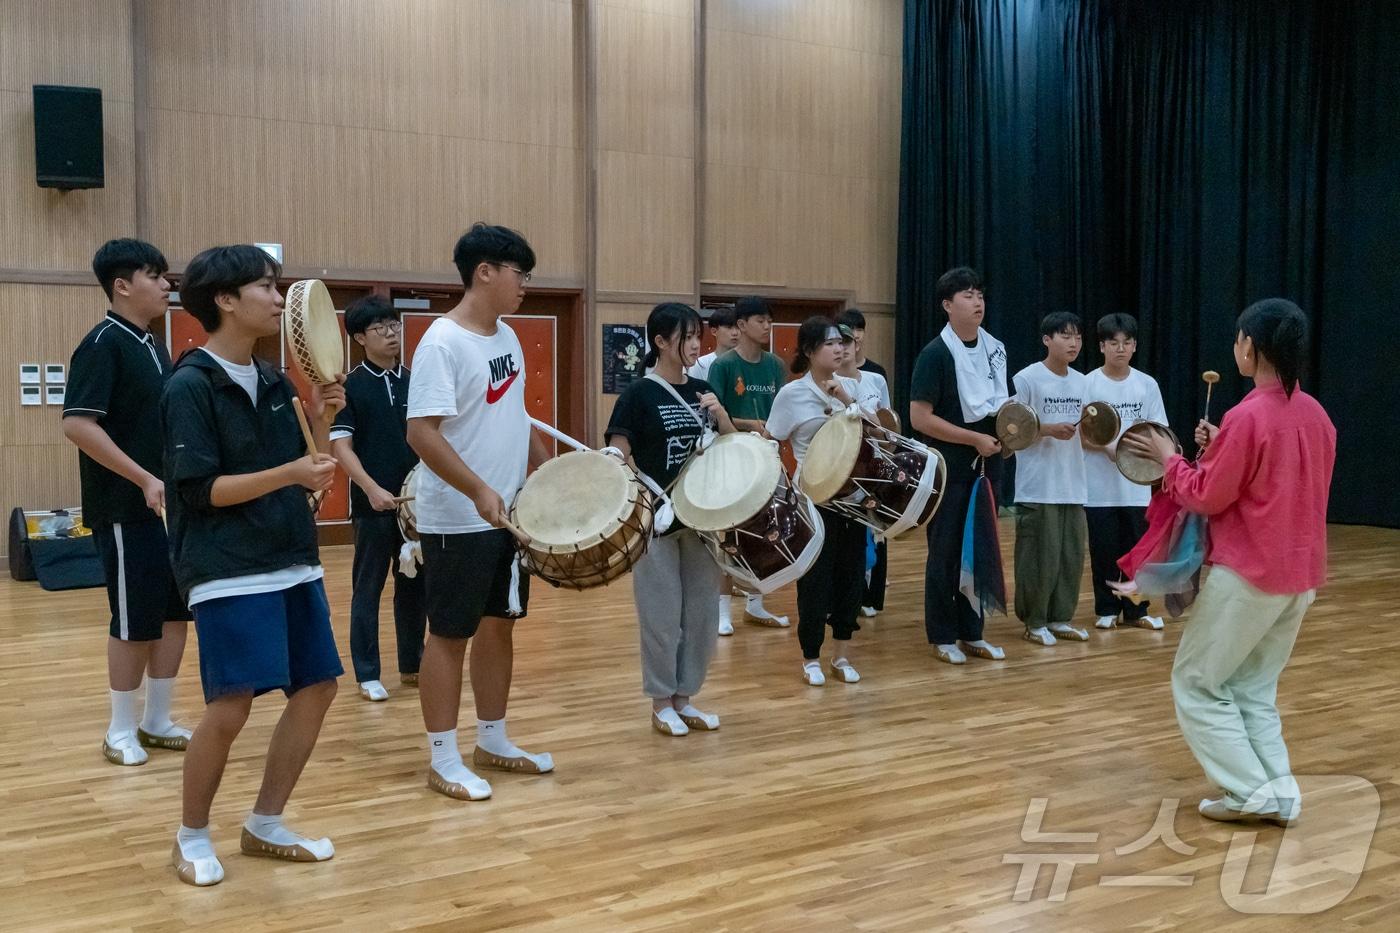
[(447, 762), (123, 714), (724, 615), (159, 693), (197, 848), (491, 737), (270, 829), (753, 605)]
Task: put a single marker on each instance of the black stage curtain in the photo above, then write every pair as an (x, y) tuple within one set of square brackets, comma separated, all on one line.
[(1176, 160)]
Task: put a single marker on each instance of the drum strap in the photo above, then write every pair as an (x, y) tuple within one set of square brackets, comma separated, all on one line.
[(703, 422)]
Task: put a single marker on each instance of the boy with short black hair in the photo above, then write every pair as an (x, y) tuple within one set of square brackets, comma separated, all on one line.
[(370, 441), (1050, 488), (467, 421), (1116, 508), (746, 379), (115, 379), (726, 327), (959, 383), (243, 544)]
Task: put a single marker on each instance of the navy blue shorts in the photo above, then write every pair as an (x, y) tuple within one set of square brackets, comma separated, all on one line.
[(141, 587), (266, 641)]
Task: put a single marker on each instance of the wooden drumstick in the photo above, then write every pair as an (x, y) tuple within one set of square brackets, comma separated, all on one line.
[(305, 428), (1210, 377), (520, 536), (400, 500)]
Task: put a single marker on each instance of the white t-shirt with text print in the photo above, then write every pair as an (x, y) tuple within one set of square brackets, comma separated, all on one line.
[(1051, 471), (477, 385)]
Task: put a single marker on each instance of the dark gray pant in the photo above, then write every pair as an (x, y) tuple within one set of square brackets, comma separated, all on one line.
[(377, 543)]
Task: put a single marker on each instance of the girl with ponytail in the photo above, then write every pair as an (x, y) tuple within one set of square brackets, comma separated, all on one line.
[(1262, 479)]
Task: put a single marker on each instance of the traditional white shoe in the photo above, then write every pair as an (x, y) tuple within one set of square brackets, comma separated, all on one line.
[(949, 654), (519, 764), (869, 611), (1065, 630), (473, 789), (199, 871), (307, 850), (726, 627), (374, 691), (843, 671), (175, 738), (124, 749), (697, 720), (668, 722), (1106, 622), (1153, 623), (984, 650), (1040, 635), (812, 673), (1220, 810), (766, 619)]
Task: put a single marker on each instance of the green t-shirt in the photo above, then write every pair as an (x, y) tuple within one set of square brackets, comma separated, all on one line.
[(747, 390)]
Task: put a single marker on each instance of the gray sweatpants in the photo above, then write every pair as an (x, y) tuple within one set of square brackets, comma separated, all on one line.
[(676, 585)]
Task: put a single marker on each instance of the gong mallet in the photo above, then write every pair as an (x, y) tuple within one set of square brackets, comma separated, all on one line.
[(1210, 377)]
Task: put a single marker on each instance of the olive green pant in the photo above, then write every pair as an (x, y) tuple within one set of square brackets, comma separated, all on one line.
[(1050, 543)]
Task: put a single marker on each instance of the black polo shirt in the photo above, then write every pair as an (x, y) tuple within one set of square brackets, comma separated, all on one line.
[(375, 418), (116, 376)]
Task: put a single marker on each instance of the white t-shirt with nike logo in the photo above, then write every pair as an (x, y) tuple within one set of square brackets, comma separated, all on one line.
[(477, 385)]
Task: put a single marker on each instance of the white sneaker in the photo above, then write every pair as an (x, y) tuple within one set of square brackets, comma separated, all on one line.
[(374, 691), (726, 627), (1106, 622), (812, 673)]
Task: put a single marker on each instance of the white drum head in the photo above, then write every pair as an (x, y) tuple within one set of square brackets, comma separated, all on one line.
[(831, 457), (575, 500), (726, 484), (313, 331)]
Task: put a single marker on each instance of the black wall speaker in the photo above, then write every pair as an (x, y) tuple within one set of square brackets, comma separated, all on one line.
[(67, 136)]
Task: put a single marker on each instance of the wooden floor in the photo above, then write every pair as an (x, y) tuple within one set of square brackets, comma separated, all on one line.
[(887, 805)]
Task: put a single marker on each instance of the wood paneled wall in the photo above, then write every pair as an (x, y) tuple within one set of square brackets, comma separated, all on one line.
[(364, 136)]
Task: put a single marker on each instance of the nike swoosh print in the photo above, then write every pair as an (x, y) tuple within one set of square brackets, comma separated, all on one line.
[(494, 393)]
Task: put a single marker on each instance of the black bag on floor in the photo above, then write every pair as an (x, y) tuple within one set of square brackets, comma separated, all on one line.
[(67, 563), (21, 566)]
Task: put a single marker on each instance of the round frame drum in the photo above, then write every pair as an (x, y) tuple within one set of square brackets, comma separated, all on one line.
[(1141, 470), (313, 331), (588, 517), (735, 495), (1099, 424), (883, 480), (407, 516), (1017, 427)]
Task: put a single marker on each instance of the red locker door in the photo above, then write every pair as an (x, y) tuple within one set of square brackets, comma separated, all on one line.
[(783, 339), (182, 333), (538, 339)]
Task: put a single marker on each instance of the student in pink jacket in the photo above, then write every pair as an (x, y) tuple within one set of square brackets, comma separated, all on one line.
[(1263, 481)]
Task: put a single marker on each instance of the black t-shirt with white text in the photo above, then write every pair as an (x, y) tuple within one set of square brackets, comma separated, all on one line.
[(661, 432)]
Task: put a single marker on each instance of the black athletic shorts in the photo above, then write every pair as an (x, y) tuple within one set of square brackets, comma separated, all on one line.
[(471, 575), (140, 585)]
